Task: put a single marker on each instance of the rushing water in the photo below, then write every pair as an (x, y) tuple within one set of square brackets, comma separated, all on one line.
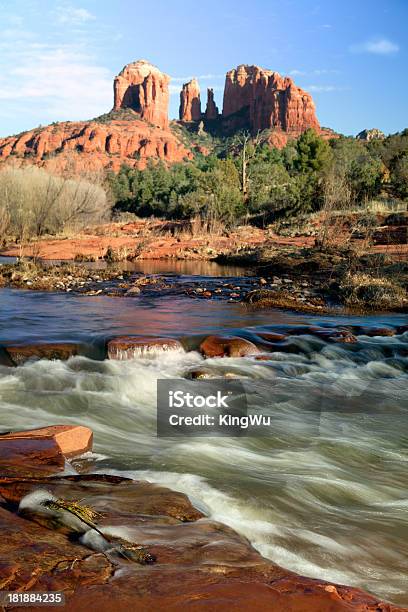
[(325, 495)]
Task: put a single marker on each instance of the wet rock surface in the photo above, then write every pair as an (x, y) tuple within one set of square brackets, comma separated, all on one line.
[(198, 561), (42, 450), (246, 342), (227, 346), (298, 293), (19, 354), (128, 347)]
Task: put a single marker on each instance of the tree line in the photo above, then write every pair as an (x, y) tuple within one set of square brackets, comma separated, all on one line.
[(246, 177)]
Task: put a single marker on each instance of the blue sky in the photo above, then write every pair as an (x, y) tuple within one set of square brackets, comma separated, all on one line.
[(58, 59)]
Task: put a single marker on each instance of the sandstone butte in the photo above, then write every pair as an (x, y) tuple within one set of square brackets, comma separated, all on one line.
[(138, 129)]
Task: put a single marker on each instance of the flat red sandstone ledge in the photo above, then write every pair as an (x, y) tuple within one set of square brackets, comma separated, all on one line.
[(69, 440)]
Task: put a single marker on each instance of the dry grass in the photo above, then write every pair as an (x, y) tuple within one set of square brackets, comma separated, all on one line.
[(362, 290)]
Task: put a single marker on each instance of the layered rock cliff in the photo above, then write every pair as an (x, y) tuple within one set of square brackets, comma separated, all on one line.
[(190, 103), (268, 101), (143, 88), (93, 145)]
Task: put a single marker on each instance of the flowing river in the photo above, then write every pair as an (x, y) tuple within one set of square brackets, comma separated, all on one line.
[(326, 494)]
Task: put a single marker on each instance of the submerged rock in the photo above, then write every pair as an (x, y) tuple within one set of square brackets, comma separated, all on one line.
[(19, 354), (128, 347), (227, 346)]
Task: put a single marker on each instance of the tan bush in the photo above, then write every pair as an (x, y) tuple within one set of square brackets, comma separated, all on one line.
[(34, 202)]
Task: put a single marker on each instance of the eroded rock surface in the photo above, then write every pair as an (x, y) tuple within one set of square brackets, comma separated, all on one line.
[(94, 145), (19, 353), (199, 562), (211, 111)]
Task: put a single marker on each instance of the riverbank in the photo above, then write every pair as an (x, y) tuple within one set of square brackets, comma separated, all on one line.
[(303, 281)]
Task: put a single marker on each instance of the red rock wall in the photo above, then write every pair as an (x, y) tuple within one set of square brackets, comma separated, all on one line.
[(143, 88), (272, 101)]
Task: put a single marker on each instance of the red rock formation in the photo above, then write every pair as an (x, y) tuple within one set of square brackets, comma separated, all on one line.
[(271, 101), (143, 88), (254, 99), (93, 145), (190, 103), (211, 111)]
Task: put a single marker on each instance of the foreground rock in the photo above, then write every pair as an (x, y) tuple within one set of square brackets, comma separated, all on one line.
[(199, 562), (42, 450), (129, 347), (227, 346)]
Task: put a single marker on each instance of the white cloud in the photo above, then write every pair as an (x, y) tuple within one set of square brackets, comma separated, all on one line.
[(58, 81), (325, 88), (378, 46), (316, 72), (70, 15)]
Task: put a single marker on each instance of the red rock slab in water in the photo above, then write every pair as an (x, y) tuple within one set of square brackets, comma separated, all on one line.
[(272, 336), (128, 347), (19, 354), (43, 449), (116, 497), (227, 346), (201, 564)]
